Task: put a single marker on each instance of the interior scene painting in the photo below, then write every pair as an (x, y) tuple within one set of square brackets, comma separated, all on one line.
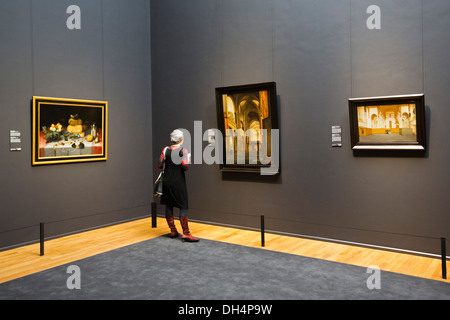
[(245, 115), (68, 130), (387, 123)]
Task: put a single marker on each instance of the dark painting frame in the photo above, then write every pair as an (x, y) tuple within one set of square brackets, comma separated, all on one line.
[(68, 130), (244, 107), (388, 123)]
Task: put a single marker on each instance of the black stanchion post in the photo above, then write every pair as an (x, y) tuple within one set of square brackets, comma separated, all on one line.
[(153, 214), (444, 259), (41, 237), (263, 242)]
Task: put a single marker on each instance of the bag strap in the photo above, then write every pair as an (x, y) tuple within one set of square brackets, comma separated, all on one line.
[(164, 164)]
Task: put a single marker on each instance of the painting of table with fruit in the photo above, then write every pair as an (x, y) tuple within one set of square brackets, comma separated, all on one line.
[(68, 130)]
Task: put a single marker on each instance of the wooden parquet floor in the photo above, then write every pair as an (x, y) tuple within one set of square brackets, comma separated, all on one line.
[(22, 261)]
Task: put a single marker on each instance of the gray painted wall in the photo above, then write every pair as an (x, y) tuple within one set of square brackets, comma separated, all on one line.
[(108, 59), (320, 53)]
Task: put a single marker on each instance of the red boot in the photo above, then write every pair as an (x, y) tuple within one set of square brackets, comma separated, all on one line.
[(173, 230), (187, 236)]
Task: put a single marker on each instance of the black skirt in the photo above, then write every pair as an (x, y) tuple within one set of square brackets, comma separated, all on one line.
[(174, 185)]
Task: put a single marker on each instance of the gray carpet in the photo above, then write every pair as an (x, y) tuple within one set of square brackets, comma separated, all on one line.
[(165, 269)]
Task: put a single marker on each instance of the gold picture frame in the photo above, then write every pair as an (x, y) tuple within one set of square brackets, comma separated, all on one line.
[(68, 130)]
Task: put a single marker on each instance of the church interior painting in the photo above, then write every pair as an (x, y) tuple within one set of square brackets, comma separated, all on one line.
[(387, 123), (246, 116)]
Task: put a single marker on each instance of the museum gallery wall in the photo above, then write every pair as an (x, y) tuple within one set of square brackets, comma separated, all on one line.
[(320, 54), (106, 61), (157, 76)]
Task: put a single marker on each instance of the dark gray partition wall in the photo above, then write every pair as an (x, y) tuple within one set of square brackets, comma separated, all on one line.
[(107, 59), (393, 53), (320, 53)]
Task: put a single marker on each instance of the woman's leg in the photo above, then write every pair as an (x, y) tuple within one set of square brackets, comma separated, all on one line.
[(183, 213), (187, 236), (169, 210), (171, 222)]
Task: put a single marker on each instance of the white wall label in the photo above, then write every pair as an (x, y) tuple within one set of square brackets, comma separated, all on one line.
[(15, 142), (336, 136)]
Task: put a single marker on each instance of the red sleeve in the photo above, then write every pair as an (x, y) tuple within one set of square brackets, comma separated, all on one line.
[(185, 161), (161, 159)]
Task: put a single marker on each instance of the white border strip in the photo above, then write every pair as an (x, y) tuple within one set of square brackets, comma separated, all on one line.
[(388, 97), (387, 147)]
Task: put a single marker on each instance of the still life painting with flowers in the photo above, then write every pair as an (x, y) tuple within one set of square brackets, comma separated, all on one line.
[(68, 130)]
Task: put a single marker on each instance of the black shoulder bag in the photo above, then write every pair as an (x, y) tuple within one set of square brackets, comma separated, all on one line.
[(158, 187)]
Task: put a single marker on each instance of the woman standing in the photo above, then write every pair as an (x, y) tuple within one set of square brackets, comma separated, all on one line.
[(174, 185)]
